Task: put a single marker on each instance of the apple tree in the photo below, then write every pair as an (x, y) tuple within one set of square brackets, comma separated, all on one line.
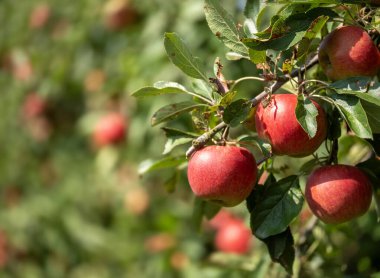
[(311, 135)]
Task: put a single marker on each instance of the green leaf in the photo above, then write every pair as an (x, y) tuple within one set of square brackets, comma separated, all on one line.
[(236, 112), (257, 56), (262, 145), (369, 94), (160, 88), (171, 111), (306, 42), (372, 169), (171, 184), (252, 9), (227, 98), (203, 208), (306, 114), (181, 56), (233, 56), (373, 115), (166, 162), (288, 31), (202, 88), (278, 205), (176, 138), (281, 249), (221, 23), (361, 87), (352, 111)]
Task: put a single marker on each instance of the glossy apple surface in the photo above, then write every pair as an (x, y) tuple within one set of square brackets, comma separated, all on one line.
[(277, 124), (348, 51), (338, 193), (110, 130), (233, 237), (222, 174)]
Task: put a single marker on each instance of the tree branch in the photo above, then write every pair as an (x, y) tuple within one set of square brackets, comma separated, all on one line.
[(202, 140), (280, 82)]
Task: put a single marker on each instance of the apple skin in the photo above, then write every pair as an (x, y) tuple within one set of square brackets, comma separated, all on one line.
[(338, 193), (224, 175), (233, 237), (110, 130), (348, 51), (277, 124)]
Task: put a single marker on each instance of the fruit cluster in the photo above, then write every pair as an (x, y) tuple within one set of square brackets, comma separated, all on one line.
[(226, 174)]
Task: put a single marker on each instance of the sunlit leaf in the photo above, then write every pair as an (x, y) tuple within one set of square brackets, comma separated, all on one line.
[(171, 111), (306, 114), (181, 56), (223, 26)]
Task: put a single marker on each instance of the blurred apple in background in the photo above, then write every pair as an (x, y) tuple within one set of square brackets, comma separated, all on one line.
[(233, 237), (110, 130), (119, 14), (39, 16)]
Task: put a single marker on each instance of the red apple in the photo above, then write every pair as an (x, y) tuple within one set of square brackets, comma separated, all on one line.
[(110, 129), (348, 51), (220, 219), (338, 193), (39, 16), (277, 124), (4, 252), (119, 14), (222, 174), (233, 237), (33, 106)]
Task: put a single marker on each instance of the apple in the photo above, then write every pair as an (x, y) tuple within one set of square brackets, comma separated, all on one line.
[(119, 14), (39, 16), (348, 51), (94, 80), (277, 124), (110, 129), (249, 123), (33, 106), (338, 193), (222, 174), (136, 201), (160, 242), (220, 219), (4, 252), (233, 237), (179, 260)]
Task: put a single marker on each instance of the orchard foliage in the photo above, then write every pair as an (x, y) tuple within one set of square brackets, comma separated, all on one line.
[(280, 42)]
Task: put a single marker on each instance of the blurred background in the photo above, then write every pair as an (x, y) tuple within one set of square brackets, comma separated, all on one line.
[(72, 205)]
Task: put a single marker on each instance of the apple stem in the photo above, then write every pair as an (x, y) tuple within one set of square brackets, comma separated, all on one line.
[(265, 158)]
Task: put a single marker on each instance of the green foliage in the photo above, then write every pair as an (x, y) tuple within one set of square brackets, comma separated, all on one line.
[(70, 209), (280, 39)]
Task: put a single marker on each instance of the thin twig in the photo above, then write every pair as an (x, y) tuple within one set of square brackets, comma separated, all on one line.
[(278, 84), (202, 140), (237, 81)]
